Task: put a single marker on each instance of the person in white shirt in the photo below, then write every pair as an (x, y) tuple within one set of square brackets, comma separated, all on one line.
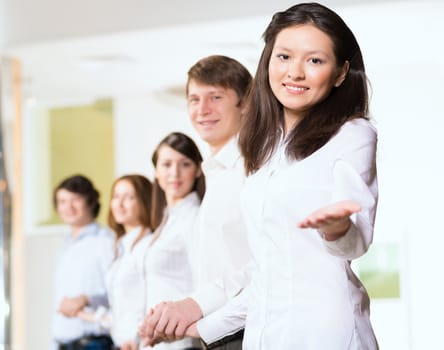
[(129, 217), (178, 189), (216, 90), (85, 257), (311, 193)]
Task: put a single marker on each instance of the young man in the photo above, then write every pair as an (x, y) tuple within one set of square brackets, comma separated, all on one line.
[(216, 90), (85, 256)]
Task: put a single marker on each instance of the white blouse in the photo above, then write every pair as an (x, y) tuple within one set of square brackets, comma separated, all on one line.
[(167, 268), (126, 287), (304, 294)]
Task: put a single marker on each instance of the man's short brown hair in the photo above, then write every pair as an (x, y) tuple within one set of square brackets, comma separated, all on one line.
[(221, 71)]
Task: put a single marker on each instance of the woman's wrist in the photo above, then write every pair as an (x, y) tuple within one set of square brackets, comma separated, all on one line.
[(338, 233)]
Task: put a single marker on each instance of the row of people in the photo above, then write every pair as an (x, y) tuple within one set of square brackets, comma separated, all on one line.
[(152, 224), (290, 200)]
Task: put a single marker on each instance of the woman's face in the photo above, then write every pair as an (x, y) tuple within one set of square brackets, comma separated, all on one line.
[(303, 70), (124, 205), (175, 174)]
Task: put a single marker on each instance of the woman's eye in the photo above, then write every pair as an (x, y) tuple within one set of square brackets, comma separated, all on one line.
[(283, 57), (315, 60)]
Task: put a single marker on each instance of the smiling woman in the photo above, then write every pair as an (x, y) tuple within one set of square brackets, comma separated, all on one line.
[(302, 70), (409, 121), (178, 190), (309, 200)]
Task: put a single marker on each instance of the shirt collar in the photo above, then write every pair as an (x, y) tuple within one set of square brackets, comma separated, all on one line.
[(89, 229), (191, 198), (226, 158), (128, 238)]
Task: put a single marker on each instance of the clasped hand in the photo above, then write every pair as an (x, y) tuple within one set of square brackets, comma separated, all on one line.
[(169, 321), (69, 307)]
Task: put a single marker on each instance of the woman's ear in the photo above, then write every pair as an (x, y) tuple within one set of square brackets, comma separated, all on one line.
[(198, 172), (342, 74)]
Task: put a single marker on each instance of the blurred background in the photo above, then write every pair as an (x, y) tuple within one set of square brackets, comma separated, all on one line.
[(92, 86)]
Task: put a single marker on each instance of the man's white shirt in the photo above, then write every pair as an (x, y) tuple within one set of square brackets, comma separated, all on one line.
[(219, 249)]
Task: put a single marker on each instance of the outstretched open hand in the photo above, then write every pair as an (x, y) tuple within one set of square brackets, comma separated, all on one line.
[(332, 221)]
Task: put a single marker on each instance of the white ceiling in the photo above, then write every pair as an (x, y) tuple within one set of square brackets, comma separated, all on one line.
[(133, 62), (103, 48), (28, 21)]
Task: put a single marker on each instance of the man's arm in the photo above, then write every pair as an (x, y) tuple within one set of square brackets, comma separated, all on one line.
[(69, 307), (170, 320), (225, 321)]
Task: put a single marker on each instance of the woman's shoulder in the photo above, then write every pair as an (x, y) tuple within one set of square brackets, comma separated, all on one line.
[(190, 202), (359, 129), (360, 125)]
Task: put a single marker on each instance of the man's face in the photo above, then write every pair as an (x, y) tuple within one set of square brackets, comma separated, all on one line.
[(215, 113), (72, 208)]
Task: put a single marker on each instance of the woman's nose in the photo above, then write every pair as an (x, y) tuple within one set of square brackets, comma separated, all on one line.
[(295, 70)]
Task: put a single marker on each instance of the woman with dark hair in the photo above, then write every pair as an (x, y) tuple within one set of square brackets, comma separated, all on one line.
[(310, 197), (177, 192), (129, 218)]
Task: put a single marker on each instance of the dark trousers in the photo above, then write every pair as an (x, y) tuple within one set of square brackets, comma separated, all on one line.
[(102, 342), (231, 342)]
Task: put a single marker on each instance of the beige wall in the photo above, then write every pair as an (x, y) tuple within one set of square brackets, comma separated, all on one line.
[(63, 142)]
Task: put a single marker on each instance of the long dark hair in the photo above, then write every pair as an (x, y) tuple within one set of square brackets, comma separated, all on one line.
[(143, 192), (259, 133), (186, 146)]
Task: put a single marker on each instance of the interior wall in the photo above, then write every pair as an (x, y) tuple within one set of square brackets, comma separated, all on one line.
[(40, 262), (61, 142), (406, 70), (2, 24), (141, 123)]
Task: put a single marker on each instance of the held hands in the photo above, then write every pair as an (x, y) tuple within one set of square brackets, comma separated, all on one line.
[(129, 345), (333, 221), (69, 307), (86, 316), (192, 331), (169, 321)]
